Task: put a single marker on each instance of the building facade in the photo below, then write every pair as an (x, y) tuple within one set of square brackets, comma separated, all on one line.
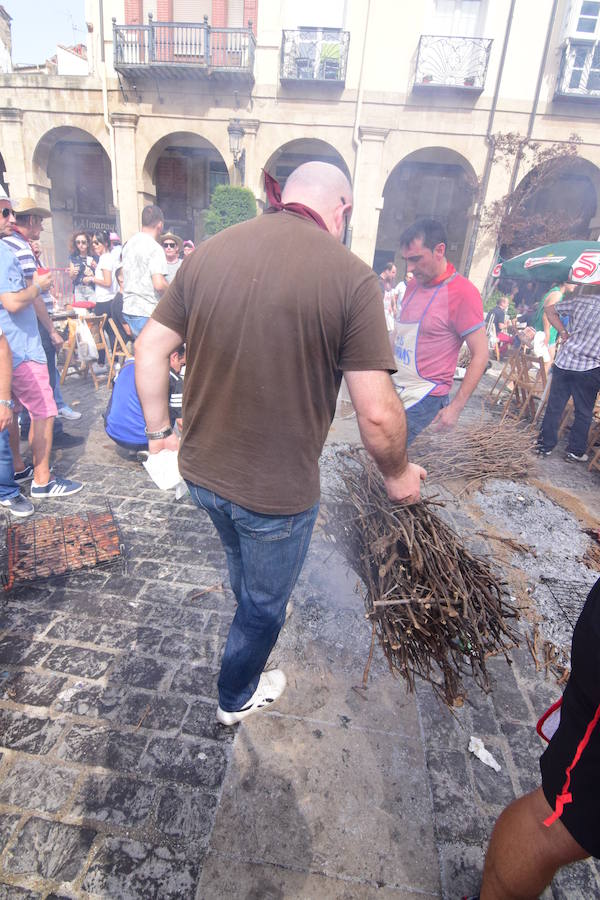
[(182, 95)]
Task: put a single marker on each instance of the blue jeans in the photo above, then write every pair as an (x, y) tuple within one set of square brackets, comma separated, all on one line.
[(8, 485), (136, 323), (422, 414), (583, 388), (264, 557)]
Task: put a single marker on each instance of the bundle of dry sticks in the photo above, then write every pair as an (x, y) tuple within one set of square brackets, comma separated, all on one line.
[(476, 452), (437, 609)]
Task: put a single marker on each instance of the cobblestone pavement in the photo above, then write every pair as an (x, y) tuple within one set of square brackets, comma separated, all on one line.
[(116, 781)]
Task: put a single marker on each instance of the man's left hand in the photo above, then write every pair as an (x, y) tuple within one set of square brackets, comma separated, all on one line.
[(56, 339), (168, 443), (6, 416), (446, 419)]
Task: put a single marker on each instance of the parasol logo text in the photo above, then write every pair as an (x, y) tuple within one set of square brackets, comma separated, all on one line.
[(586, 268), (496, 270), (534, 261)]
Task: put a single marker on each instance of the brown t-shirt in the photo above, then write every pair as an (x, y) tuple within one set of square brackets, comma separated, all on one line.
[(272, 312)]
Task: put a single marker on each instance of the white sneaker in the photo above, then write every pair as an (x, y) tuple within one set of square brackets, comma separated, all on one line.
[(270, 687), (65, 412), (289, 610)]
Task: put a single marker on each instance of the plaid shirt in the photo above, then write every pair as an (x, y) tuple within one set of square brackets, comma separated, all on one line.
[(582, 351)]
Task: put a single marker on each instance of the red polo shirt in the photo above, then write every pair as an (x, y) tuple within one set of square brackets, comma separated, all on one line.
[(456, 311)]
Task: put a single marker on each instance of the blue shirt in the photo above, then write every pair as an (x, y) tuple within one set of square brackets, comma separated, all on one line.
[(124, 419), (20, 328)]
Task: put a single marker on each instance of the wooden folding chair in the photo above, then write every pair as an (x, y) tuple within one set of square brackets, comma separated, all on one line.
[(96, 325), (119, 352), (528, 386), (505, 377)]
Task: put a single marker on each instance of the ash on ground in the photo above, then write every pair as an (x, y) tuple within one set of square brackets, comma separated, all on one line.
[(558, 578)]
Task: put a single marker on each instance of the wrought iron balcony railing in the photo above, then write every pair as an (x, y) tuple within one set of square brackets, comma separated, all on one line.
[(580, 70), (181, 47), (315, 54), (452, 62)]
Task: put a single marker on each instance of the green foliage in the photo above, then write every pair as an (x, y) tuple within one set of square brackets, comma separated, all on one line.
[(229, 205)]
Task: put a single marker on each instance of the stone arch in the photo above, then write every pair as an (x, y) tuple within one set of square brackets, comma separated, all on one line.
[(566, 207), (72, 175), (179, 173), (432, 181), (292, 154)]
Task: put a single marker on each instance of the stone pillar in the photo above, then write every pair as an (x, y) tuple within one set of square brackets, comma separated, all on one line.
[(253, 174), (125, 125), (13, 151), (367, 192)]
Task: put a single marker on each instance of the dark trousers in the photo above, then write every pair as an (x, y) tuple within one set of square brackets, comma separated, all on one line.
[(583, 388)]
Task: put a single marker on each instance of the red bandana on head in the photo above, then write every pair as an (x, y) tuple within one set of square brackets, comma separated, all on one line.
[(275, 204)]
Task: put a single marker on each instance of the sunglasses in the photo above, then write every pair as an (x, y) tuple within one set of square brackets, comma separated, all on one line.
[(169, 245), (81, 241), (6, 212)]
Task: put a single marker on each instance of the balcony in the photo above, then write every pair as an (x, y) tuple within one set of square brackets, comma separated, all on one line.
[(580, 70), (183, 50), (459, 63), (317, 55)]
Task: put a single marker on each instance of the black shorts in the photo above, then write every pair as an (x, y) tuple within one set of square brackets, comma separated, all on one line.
[(580, 710)]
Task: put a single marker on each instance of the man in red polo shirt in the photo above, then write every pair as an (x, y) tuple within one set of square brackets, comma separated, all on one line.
[(439, 311)]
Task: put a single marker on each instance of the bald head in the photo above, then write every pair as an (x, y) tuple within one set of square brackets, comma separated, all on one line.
[(325, 189)]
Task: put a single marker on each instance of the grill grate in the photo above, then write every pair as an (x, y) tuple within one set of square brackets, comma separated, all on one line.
[(59, 545)]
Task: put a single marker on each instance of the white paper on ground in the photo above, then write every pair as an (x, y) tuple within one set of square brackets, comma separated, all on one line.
[(477, 747), (163, 469)]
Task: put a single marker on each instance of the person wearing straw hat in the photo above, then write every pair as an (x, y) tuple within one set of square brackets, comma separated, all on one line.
[(172, 245), (30, 381)]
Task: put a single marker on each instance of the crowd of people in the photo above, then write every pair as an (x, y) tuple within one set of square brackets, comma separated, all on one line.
[(265, 347)]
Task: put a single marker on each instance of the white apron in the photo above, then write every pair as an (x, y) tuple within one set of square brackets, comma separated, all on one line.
[(410, 384)]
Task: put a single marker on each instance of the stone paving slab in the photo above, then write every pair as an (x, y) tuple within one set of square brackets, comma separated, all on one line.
[(113, 770)]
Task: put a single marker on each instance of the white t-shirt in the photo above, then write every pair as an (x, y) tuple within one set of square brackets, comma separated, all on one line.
[(105, 263), (142, 258)]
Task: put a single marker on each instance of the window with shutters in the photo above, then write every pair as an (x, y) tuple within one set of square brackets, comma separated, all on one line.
[(235, 14), (462, 18), (191, 10)]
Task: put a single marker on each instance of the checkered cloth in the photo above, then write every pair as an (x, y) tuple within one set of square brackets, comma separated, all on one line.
[(582, 351)]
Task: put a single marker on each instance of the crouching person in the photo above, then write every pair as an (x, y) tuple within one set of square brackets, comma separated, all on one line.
[(124, 420)]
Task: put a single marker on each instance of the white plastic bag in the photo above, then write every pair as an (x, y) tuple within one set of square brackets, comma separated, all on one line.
[(86, 345)]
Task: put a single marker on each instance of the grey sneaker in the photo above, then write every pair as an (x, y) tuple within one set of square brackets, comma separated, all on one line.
[(24, 475), (65, 412), (18, 506), (270, 687)]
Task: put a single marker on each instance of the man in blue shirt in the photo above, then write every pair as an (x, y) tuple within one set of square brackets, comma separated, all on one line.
[(124, 419), (30, 384)]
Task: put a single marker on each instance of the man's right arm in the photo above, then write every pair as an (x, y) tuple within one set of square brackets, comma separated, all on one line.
[(382, 423), (159, 283), (15, 301)]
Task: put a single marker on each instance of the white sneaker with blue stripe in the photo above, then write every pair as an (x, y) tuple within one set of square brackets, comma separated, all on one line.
[(55, 489)]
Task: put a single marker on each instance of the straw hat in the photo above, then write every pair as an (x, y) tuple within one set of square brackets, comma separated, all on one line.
[(28, 207), (169, 236)]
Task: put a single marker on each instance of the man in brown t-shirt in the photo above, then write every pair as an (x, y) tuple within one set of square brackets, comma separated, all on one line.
[(273, 312)]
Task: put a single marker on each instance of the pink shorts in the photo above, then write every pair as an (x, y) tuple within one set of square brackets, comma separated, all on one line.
[(31, 389)]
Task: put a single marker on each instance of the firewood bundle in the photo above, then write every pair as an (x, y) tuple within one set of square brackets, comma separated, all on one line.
[(476, 452), (437, 610)]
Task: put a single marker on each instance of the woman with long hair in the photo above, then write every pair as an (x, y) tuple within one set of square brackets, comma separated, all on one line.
[(81, 268), (104, 281)]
